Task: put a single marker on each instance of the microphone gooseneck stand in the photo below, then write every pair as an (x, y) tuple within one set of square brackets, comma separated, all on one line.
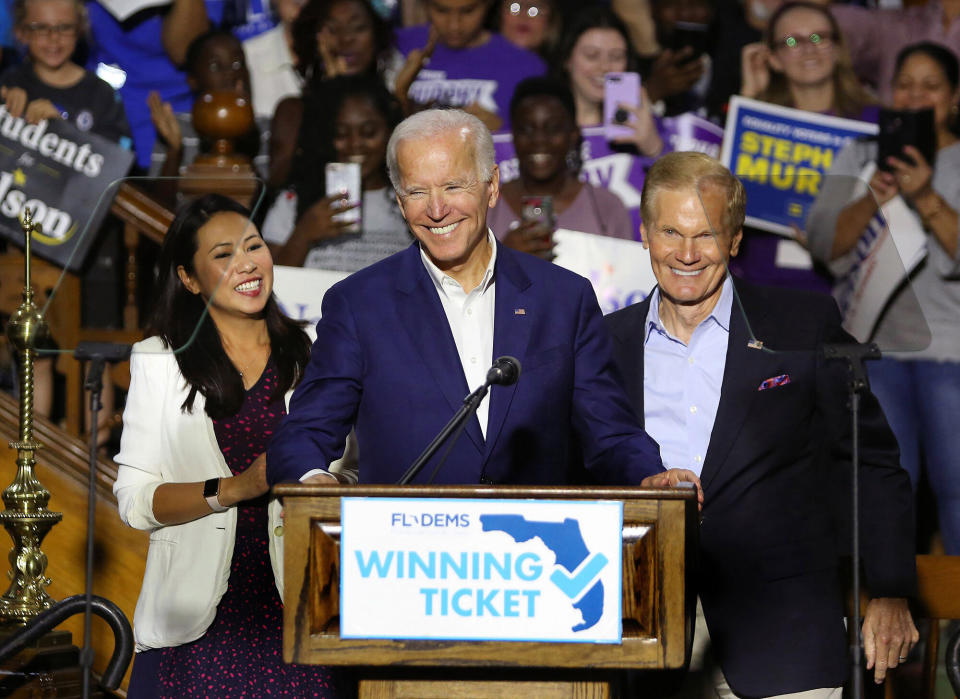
[(854, 356), (99, 354), (505, 371)]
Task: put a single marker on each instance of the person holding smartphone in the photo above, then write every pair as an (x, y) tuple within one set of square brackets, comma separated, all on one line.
[(676, 79), (594, 44), (920, 390), (547, 142), (361, 114)]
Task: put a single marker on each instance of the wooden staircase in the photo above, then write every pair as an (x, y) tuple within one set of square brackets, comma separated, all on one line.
[(120, 551)]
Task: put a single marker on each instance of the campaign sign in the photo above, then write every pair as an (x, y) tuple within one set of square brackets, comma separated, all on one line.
[(619, 270), (782, 155), (491, 570), (59, 173), (299, 290)]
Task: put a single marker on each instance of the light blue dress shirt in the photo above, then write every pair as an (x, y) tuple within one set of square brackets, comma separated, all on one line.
[(681, 383)]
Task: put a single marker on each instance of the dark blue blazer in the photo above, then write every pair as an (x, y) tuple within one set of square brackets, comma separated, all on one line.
[(385, 360), (776, 492)]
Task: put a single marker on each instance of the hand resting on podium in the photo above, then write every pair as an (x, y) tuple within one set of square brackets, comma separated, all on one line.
[(675, 477)]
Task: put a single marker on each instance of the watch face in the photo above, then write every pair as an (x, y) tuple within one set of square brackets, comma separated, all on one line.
[(211, 487)]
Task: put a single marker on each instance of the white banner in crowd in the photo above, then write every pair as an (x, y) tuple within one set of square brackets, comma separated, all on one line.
[(122, 9), (618, 269), (891, 247), (300, 291), (512, 570)]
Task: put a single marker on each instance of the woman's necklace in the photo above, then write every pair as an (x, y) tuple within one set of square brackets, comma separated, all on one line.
[(244, 368), (241, 370)]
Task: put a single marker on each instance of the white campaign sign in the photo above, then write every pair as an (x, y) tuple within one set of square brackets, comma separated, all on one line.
[(619, 270), (498, 570)]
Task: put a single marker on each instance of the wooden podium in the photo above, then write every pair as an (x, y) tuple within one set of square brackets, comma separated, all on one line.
[(660, 537)]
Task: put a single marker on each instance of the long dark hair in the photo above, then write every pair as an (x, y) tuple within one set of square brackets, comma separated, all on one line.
[(587, 18), (181, 320), (321, 109), (943, 57), (938, 53)]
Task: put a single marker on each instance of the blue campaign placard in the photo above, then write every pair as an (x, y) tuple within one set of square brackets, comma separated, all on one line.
[(782, 156)]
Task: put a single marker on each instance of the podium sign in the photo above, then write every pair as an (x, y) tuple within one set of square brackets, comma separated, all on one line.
[(658, 555), (491, 570)]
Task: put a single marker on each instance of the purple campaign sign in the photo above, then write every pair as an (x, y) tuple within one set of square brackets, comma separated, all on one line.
[(622, 173)]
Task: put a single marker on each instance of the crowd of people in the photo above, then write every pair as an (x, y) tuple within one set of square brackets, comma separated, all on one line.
[(407, 93)]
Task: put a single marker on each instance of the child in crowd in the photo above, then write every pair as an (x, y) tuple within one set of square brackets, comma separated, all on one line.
[(49, 85), (215, 62)]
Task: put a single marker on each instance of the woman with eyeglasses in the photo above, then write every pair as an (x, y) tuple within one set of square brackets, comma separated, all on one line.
[(48, 85), (803, 64), (918, 387)]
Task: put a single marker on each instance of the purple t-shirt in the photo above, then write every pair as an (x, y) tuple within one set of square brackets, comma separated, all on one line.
[(486, 74)]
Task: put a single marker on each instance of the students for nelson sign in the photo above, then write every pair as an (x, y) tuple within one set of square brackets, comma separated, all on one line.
[(59, 173)]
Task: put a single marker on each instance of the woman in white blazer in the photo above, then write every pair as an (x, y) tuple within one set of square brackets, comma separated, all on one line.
[(207, 390)]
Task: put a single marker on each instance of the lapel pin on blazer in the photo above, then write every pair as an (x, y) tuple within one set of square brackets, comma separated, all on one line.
[(755, 344), (774, 382), (519, 311)]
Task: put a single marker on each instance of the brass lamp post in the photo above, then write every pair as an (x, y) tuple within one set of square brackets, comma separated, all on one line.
[(26, 517)]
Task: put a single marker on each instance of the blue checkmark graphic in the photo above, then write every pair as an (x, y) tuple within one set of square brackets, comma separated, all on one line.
[(572, 586)]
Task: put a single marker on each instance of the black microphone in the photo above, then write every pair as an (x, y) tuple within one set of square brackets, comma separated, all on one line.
[(504, 372)]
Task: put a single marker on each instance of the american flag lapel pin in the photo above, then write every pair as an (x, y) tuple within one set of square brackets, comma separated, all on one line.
[(755, 344), (519, 311)]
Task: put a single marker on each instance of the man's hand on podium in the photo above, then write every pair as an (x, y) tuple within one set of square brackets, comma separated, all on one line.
[(674, 477), (325, 478)]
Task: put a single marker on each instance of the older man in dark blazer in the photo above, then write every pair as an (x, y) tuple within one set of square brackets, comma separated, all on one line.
[(401, 342), (727, 378)]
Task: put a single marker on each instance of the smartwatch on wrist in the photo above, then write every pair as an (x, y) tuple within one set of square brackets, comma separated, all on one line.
[(211, 491)]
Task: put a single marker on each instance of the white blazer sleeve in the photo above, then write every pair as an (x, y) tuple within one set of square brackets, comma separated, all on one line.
[(140, 467)]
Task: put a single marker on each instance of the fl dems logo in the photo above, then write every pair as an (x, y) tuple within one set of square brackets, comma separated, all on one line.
[(576, 567)]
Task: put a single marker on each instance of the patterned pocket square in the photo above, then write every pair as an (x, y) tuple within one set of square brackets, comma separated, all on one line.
[(774, 382)]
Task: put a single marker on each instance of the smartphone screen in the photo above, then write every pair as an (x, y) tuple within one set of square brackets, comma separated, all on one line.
[(692, 35), (539, 209), (619, 89), (905, 127), (344, 179)]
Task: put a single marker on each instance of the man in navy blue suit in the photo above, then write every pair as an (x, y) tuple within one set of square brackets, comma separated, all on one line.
[(728, 378), (402, 342)]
